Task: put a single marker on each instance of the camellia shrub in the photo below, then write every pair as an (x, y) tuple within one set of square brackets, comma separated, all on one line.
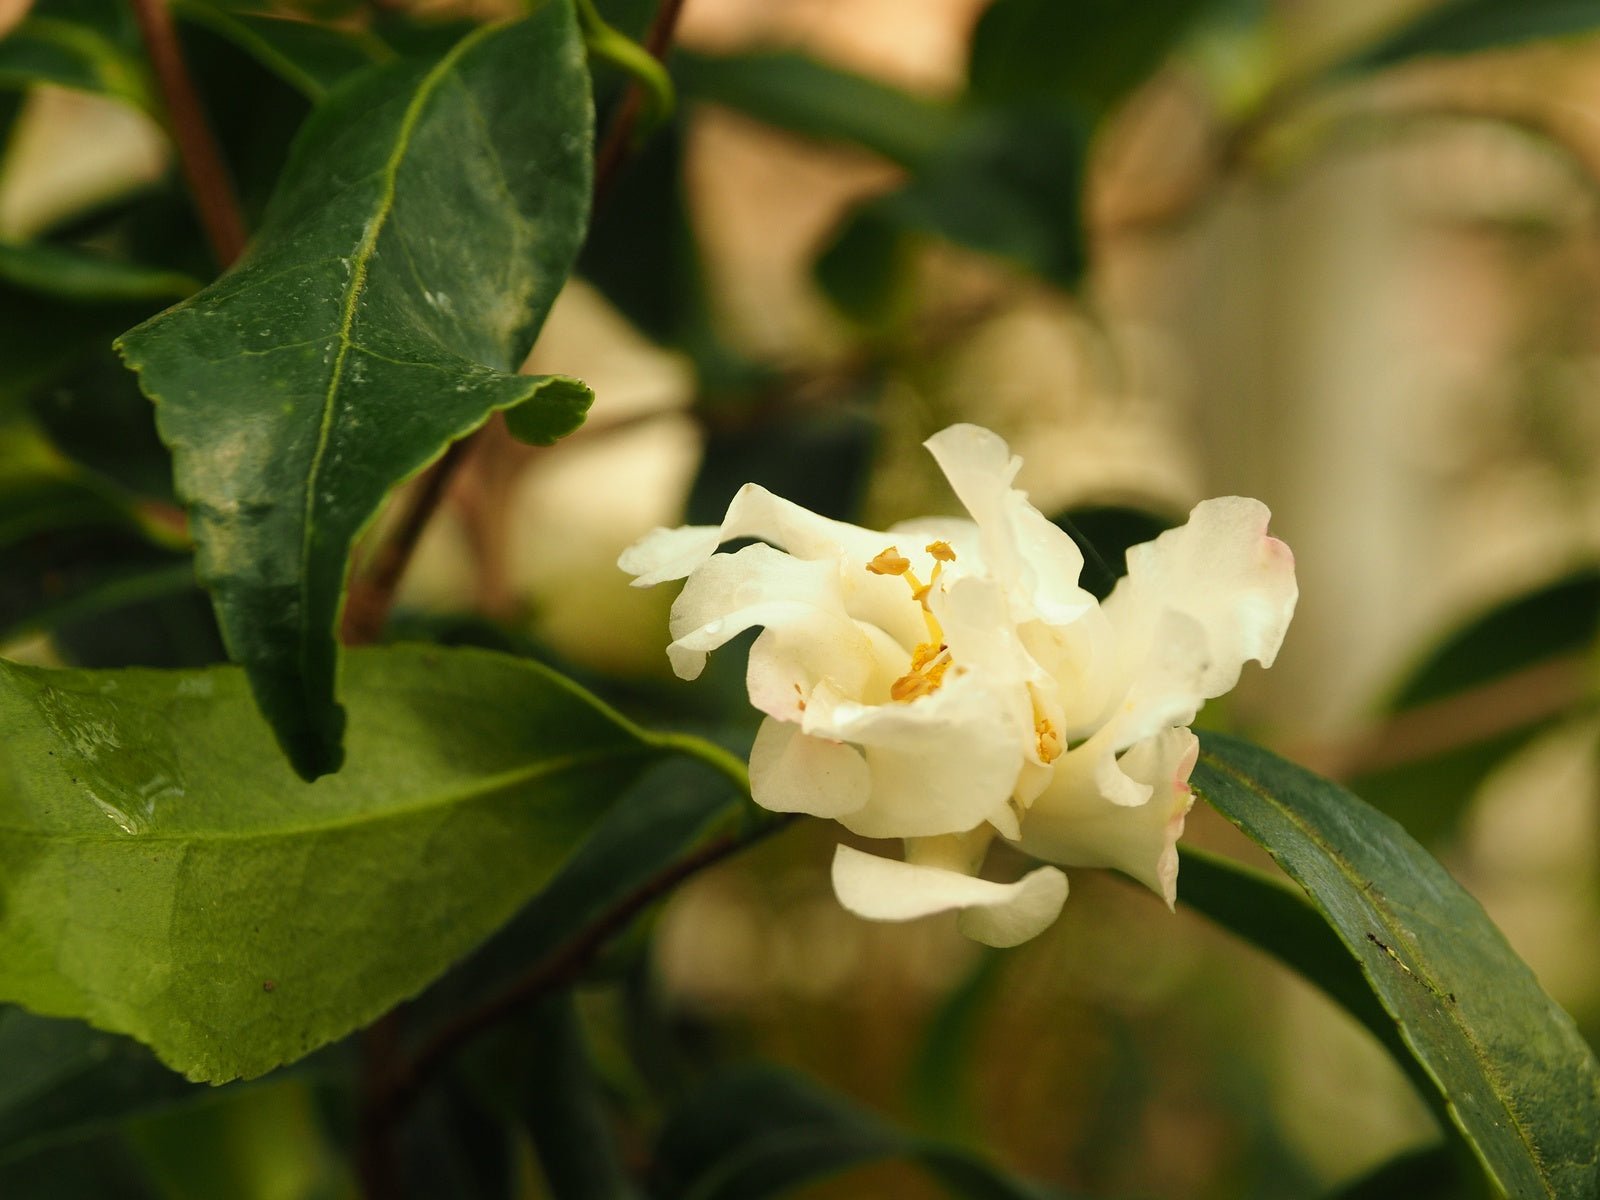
[(306, 894)]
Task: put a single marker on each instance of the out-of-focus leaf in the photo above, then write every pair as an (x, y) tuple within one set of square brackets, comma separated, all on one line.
[(1509, 1070), (146, 818), (760, 1132), (1433, 1173), (1563, 617), (1008, 184), (1090, 53), (802, 95), (169, 629), (425, 222), (104, 1169), (940, 1086), (69, 274), (91, 50), (254, 1143), (1104, 534), (43, 336), (563, 1106), (1467, 26), (1430, 794), (310, 57), (655, 823), (818, 459), (97, 416), (66, 1082)]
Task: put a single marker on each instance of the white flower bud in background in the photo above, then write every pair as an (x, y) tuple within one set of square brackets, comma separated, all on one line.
[(948, 682)]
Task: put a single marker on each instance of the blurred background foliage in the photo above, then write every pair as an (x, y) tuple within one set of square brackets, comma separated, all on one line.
[(1340, 256)]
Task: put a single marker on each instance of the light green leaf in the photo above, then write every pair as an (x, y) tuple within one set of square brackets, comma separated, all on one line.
[(163, 874), (812, 98), (70, 274), (1466, 26), (86, 56), (311, 58), (760, 1132), (427, 217), (1514, 1076)]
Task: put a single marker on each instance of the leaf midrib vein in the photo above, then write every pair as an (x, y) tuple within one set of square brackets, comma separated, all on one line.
[(1498, 1089), (449, 798), (360, 261)]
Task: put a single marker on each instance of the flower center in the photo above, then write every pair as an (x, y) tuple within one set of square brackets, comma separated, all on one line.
[(931, 659)]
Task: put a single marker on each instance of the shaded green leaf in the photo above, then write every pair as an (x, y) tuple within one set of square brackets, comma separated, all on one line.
[(760, 1132), (1008, 184), (104, 1169), (1466, 26), (1432, 1173), (1508, 1067), (64, 1081), (427, 217), (71, 274), (939, 1082), (1090, 53), (96, 416), (163, 874), (1104, 534), (814, 99), (94, 55), (310, 57)]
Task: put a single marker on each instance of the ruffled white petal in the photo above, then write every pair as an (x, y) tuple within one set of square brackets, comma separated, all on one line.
[(1075, 825), (664, 554), (1000, 914), (791, 772), (1034, 559)]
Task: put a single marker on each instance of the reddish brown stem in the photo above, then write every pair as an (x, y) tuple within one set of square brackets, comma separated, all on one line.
[(199, 155)]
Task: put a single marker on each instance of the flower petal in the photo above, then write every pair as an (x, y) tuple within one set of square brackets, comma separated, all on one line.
[(791, 772), (1000, 914), (1077, 826), (1036, 561)]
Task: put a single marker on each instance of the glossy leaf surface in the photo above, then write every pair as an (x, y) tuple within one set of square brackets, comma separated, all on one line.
[(427, 217), (1516, 1078), (163, 873)]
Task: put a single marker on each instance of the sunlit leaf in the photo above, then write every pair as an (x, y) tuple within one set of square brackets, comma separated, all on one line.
[(164, 874), (1508, 1068), (428, 216)]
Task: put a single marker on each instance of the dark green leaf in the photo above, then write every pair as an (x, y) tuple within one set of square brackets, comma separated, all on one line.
[(1466, 26), (64, 1081), (818, 459), (425, 222), (1509, 1068), (97, 416), (1433, 1173), (759, 1132), (816, 100), (1104, 534), (1007, 184), (103, 1169), (145, 818), (1090, 53), (311, 58), (940, 1082), (1560, 618), (174, 629), (563, 1105)]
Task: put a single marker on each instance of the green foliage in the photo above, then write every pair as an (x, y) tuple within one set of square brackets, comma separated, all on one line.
[(759, 1132), (165, 875), (1467, 26), (86, 45), (1506, 1067), (311, 58), (361, 336)]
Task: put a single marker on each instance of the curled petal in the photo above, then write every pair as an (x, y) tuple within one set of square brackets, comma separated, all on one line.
[(791, 772), (1222, 571), (1077, 826), (664, 554), (1037, 561), (999, 914)]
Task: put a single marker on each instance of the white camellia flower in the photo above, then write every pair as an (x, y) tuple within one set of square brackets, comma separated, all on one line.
[(948, 682)]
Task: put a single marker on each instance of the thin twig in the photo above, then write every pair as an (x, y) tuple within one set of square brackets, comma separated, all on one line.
[(373, 597), (567, 962), (199, 155)]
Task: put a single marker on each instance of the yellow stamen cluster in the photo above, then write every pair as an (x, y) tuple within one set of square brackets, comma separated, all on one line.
[(931, 659), (1050, 742)]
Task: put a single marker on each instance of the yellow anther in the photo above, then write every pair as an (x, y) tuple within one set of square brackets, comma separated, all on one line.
[(890, 562), (940, 551), (1050, 743), (912, 687)]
